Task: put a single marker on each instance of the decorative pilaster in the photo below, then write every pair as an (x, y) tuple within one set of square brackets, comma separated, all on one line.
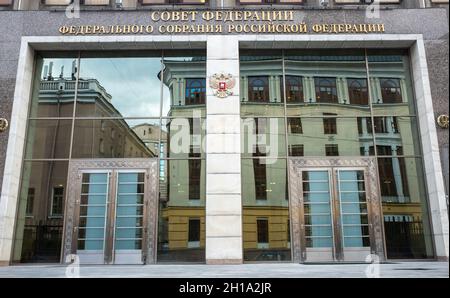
[(223, 158)]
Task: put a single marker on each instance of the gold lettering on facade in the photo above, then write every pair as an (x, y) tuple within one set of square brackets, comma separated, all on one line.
[(220, 21)]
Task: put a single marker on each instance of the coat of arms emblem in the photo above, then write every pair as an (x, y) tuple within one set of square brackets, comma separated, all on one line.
[(222, 84), (3, 124)]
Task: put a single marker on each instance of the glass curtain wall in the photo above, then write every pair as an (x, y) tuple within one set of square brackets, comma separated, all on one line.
[(92, 105), (321, 103)]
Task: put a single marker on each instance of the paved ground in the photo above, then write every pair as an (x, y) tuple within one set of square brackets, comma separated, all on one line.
[(283, 270)]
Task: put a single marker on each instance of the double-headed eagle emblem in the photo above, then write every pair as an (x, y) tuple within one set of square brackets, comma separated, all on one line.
[(222, 84), (3, 124), (442, 121)]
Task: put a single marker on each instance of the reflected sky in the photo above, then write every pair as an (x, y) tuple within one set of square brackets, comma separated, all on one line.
[(133, 83)]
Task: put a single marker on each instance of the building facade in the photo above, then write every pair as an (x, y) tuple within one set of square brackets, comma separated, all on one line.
[(223, 132)]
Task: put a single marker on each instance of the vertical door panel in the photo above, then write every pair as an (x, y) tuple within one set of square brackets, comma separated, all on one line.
[(317, 224), (92, 218), (129, 225), (351, 188)]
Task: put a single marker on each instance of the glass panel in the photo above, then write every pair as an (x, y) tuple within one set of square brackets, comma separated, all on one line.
[(128, 244), (181, 225), (317, 219), (91, 233), (116, 138), (85, 233), (357, 241), (405, 208), (48, 139), (183, 138), (184, 84), (317, 209), (94, 178), (263, 137), (90, 244), (265, 210), (353, 215), (38, 234), (331, 82), (353, 208), (119, 86), (93, 222), (261, 83), (54, 86), (130, 199), (330, 136), (129, 221), (318, 231), (318, 197), (392, 91), (128, 233), (397, 136), (92, 210), (319, 242), (130, 189), (91, 189), (352, 231)]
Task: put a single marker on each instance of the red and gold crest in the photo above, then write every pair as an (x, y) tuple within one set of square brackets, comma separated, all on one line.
[(222, 84)]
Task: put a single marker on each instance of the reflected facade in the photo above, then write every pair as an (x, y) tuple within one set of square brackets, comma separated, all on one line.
[(99, 107), (330, 105), (104, 110)]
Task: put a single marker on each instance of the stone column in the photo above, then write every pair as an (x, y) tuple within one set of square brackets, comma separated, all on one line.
[(223, 158), (430, 148)]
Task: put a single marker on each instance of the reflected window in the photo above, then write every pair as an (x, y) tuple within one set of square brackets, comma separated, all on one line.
[(194, 178), (358, 92), (296, 150), (326, 91), (295, 125), (260, 172), (294, 89), (195, 91), (329, 125), (391, 91), (30, 202), (362, 125), (392, 171), (194, 230), (57, 208), (262, 226), (331, 150), (258, 89)]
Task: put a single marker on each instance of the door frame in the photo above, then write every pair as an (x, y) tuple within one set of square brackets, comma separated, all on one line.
[(298, 164), (150, 221)]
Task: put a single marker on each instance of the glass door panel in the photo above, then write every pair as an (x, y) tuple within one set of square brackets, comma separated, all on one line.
[(318, 225), (93, 217), (335, 220), (128, 242), (353, 214)]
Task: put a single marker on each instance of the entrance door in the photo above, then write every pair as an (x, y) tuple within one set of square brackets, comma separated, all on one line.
[(338, 211), (112, 213)]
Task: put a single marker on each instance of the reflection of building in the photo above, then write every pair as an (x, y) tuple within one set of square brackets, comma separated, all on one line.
[(107, 138), (182, 228), (328, 115), (150, 134)]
